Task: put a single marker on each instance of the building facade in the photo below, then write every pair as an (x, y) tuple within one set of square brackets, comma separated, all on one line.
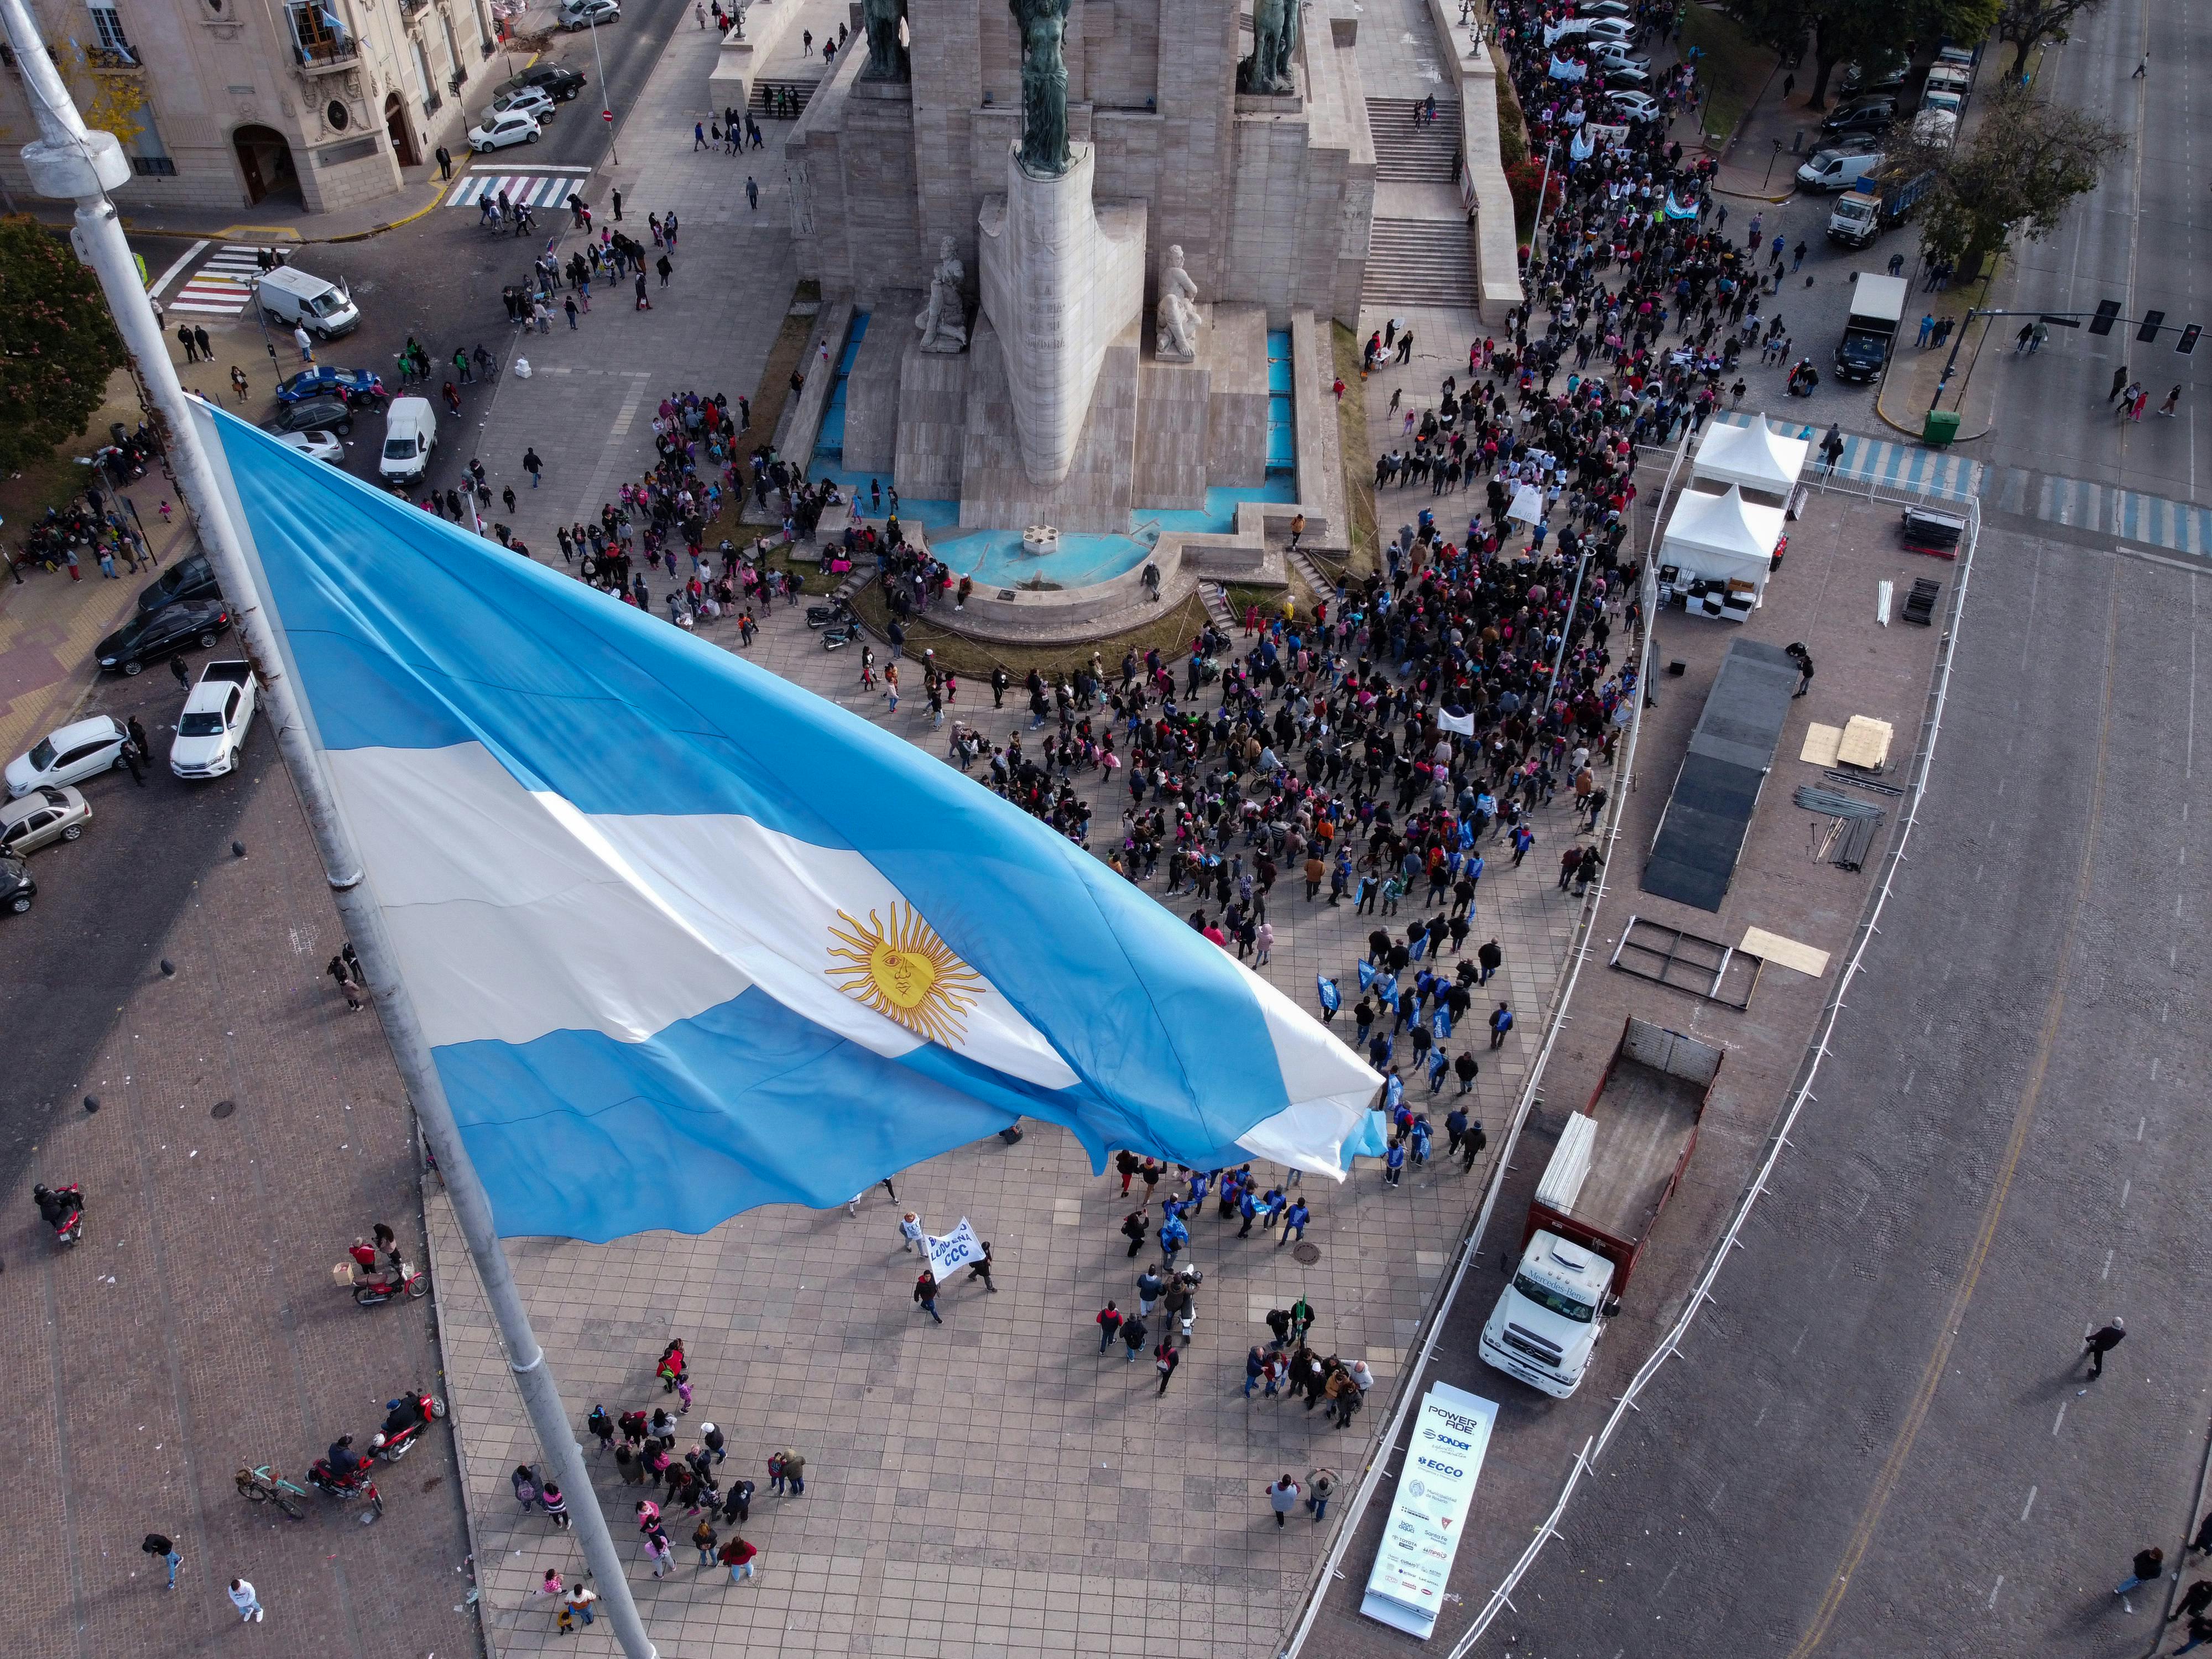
[(280, 106)]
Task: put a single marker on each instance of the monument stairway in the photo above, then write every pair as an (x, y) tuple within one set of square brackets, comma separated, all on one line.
[(765, 102), (1418, 262), (1406, 153)]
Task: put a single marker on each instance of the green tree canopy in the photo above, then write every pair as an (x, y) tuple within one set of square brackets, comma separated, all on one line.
[(57, 343), (1836, 32), (2025, 24), (2028, 159)]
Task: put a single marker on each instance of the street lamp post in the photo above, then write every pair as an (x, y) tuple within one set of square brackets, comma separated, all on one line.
[(606, 108)]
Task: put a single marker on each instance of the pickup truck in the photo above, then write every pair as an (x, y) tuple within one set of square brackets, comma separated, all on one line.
[(1616, 1165), (217, 714), (1882, 199)]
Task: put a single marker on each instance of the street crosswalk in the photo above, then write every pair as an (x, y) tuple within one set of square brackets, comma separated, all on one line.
[(1912, 468), (2130, 514), (536, 190), (223, 285)]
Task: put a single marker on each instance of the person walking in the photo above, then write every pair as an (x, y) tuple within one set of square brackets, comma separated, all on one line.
[(164, 1550), (555, 1505), (2172, 403), (307, 346), (576, 1603), (1134, 1226), (1500, 1022), (2101, 1341), (2148, 1566), (238, 381), (981, 1269), (704, 1539), (532, 465), (1165, 1359), (1133, 1336), (909, 1232), (185, 338), (1109, 1325), (2194, 1600), (1321, 1487), (925, 1294), (445, 163), (1283, 1498), (525, 1482), (243, 1598), (752, 194)]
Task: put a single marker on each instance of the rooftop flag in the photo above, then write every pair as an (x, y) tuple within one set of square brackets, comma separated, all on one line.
[(686, 939)]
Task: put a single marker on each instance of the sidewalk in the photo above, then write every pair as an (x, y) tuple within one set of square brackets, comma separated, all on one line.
[(49, 624)]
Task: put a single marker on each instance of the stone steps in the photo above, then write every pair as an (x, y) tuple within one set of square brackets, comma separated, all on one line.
[(1311, 572), (764, 91), (1418, 262), (1406, 153)]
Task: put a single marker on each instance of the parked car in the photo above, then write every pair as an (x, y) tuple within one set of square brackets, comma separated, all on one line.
[(499, 131), (157, 638), (1871, 115), (533, 102), (354, 385), (1610, 29), (411, 432), (1858, 80), (46, 815), (71, 755), (561, 83), (318, 446), (1636, 105), (584, 13), (311, 415), (1610, 53), (217, 716), (187, 579), (17, 890), (1838, 169), (1604, 8), (1631, 75)]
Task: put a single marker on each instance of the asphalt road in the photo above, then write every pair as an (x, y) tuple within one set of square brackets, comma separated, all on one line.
[(2142, 237), (1883, 1441)]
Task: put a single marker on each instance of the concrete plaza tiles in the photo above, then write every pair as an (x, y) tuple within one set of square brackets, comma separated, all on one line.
[(993, 1486)]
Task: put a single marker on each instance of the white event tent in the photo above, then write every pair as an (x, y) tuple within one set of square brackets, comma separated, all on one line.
[(1755, 457)]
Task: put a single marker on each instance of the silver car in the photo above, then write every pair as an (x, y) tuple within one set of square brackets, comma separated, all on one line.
[(46, 814)]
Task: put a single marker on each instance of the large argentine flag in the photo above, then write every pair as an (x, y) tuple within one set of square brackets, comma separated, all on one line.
[(687, 938)]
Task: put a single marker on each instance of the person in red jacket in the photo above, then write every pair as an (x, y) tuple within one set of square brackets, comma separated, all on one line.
[(737, 1556)]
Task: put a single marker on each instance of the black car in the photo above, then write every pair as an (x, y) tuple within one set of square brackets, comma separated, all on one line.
[(311, 414), (17, 890), (188, 578), (1868, 115), (556, 82), (154, 638)]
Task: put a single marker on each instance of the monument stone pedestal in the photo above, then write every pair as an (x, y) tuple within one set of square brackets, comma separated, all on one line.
[(1063, 279)]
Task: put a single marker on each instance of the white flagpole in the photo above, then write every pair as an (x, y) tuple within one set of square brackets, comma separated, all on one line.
[(69, 162)]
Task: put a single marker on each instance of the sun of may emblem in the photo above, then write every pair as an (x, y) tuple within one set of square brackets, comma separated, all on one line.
[(904, 972)]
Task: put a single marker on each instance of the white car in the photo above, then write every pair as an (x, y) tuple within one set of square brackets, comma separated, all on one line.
[(498, 131), (1610, 29), (1636, 105), (583, 13), (532, 101), (217, 716), (1615, 54), (1603, 8), (71, 755), (318, 446), (47, 815)]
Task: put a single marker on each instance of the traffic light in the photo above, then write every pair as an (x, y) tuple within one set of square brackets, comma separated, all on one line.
[(2149, 331), (2187, 343), (2108, 313)]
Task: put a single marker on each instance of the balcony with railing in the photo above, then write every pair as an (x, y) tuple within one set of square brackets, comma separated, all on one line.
[(320, 43), (117, 59)]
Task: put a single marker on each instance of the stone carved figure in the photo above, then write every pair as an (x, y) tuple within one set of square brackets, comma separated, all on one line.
[(944, 320), (887, 54), (1179, 320), (1043, 24), (1265, 73)]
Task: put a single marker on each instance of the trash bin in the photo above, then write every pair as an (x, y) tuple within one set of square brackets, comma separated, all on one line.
[(1941, 426)]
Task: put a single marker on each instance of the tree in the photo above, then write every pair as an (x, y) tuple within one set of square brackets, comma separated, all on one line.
[(57, 343), (2027, 161), (2025, 24), (1838, 31)]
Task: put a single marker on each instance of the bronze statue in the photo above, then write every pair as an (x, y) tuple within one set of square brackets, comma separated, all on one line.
[(887, 56), (1267, 72), (1044, 86)]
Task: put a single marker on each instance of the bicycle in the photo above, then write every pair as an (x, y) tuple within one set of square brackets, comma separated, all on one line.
[(267, 1486)]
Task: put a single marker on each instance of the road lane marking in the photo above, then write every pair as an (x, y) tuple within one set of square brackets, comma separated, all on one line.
[(170, 275), (1893, 1470), (2060, 1419), (2106, 1275), (2030, 1505)]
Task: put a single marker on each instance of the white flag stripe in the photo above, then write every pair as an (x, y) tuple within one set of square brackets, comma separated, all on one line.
[(489, 886)]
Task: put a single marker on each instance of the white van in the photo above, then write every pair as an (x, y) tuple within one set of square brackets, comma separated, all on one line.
[(291, 297), (1836, 169), (411, 432)]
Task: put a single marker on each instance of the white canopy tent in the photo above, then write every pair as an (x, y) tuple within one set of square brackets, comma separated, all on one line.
[(1722, 538), (1755, 457)]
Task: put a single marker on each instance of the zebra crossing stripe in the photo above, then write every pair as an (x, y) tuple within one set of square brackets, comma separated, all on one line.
[(523, 188)]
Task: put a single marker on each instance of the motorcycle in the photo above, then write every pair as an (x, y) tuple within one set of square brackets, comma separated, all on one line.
[(836, 638), (404, 1420), (345, 1488), (374, 1282), (64, 1210), (821, 616)]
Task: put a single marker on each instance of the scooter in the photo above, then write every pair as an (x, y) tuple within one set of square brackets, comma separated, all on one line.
[(64, 1209), (380, 1282), (836, 638), (821, 616), (404, 1420)]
